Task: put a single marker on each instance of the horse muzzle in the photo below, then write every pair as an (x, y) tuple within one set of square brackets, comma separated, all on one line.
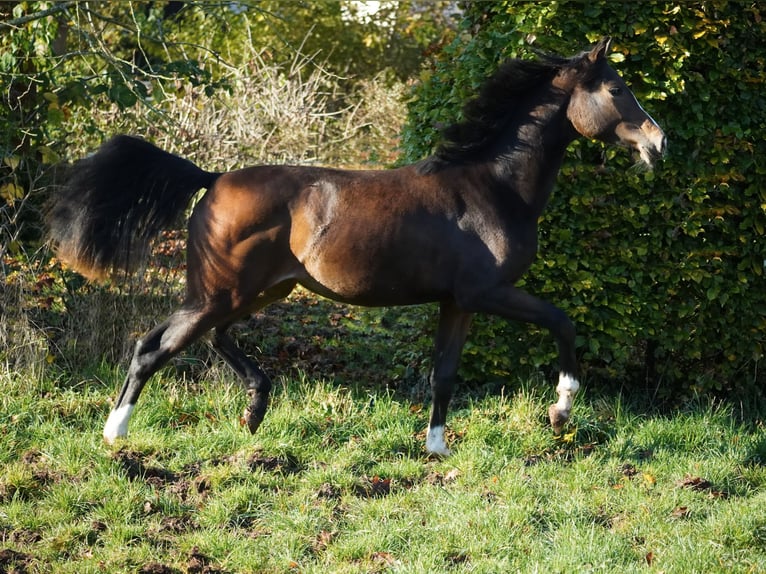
[(648, 140)]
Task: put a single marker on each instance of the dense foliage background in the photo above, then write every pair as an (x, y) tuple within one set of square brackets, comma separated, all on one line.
[(663, 272), (224, 84)]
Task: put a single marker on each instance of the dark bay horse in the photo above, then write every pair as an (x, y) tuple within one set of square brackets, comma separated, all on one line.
[(458, 228)]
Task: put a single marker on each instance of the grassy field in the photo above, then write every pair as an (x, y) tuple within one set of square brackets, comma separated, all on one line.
[(337, 480)]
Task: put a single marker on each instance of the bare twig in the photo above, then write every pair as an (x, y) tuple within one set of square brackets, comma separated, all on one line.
[(55, 9)]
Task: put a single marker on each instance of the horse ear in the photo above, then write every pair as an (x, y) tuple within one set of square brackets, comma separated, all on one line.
[(600, 50)]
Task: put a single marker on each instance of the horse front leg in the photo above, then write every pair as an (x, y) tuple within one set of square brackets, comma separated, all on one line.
[(514, 304), (450, 338)]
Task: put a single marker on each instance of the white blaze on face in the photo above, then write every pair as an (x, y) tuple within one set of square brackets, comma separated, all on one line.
[(117, 424), (654, 136)]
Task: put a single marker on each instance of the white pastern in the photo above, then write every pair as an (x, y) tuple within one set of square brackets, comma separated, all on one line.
[(567, 389), (117, 424), (435, 442)]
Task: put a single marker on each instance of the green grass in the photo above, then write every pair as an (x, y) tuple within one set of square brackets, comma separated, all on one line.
[(336, 480)]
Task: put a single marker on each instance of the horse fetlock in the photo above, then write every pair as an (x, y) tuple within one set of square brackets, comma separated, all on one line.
[(435, 443), (558, 413), (117, 424), (567, 389)]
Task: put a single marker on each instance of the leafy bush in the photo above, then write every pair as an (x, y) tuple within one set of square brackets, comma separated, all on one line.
[(62, 64), (268, 114), (663, 272), (74, 73)]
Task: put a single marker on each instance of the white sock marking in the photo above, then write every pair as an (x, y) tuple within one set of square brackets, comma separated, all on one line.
[(435, 442), (567, 389), (117, 424)]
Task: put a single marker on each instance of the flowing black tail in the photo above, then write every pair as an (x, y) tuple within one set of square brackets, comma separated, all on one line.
[(116, 201)]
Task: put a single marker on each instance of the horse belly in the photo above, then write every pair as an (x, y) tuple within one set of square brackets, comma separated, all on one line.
[(378, 272)]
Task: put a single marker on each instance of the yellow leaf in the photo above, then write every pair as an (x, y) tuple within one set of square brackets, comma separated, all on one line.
[(10, 192), (12, 161), (649, 479)]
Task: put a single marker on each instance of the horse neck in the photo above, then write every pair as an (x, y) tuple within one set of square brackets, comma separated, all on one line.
[(527, 160)]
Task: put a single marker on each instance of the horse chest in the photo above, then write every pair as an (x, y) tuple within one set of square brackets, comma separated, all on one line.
[(509, 244)]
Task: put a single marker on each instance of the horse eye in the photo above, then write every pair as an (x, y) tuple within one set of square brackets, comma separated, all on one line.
[(615, 91)]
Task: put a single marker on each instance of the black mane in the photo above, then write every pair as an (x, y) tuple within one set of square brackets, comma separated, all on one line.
[(487, 115)]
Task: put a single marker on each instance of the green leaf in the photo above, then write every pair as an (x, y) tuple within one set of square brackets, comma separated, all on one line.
[(122, 95)]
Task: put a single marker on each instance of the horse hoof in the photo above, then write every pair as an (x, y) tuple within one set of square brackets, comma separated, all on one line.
[(253, 415), (558, 418), (250, 420), (441, 453)]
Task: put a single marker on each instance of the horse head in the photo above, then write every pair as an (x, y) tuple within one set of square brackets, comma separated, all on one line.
[(602, 107)]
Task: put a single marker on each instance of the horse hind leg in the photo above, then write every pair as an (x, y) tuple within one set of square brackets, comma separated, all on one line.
[(256, 382), (152, 352)]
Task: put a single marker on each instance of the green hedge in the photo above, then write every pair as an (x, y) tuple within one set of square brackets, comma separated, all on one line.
[(663, 272)]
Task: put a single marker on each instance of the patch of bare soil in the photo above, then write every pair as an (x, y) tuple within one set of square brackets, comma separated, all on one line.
[(699, 484), (375, 487), (200, 564), (197, 563), (14, 562), (281, 465), (136, 469), (157, 568), (20, 536), (41, 473)]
